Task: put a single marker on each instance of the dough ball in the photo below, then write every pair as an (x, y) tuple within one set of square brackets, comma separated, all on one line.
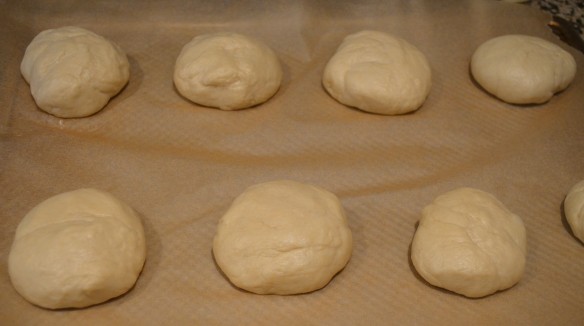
[(228, 71), (73, 72), (469, 243), (77, 249), (574, 209), (521, 69), (283, 237), (378, 73)]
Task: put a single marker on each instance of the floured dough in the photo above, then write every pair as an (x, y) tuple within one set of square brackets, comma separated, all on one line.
[(228, 71), (574, 209), (522, 69), (77, 249), (378, 73), (469, 243), (73, 72), (283, 237)]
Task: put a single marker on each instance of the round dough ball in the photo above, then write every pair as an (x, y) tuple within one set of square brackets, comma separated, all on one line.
[(228, 71), (521, 69), (73, 72), (574, 209), (283, 237), (378, 73), (77, 249), (469, 243)]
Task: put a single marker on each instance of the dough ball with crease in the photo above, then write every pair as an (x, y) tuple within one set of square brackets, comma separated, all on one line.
[(283, 237), (574, 209), (379, 73), (522, 69), (73, 72), (228, 71), (468, 242), (77, 249)]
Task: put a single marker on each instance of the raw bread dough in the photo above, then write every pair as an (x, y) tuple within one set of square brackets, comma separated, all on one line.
[(228, 71), (378, 73), (574, 209), (73, 72), (522, 69), (77, 249), (283, 237), (469, 243)]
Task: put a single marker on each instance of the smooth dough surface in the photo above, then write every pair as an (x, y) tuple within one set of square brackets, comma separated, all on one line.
[(228, 71), (521, 69), (73, 72), (574, 209), (378, 73), (283, 237), (469, 243), (77, 249)]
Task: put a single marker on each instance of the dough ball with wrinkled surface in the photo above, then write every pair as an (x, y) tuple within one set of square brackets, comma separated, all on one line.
[(574, 209), (283, 237), (77, 249), (228, 71), (379, 73), (73, 72), (468, 242), (522, 69)]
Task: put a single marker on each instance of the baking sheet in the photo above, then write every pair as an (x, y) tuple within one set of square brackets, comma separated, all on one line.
[(180, 165)]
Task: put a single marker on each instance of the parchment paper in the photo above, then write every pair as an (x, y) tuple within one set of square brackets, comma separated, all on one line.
[(181, 165)]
